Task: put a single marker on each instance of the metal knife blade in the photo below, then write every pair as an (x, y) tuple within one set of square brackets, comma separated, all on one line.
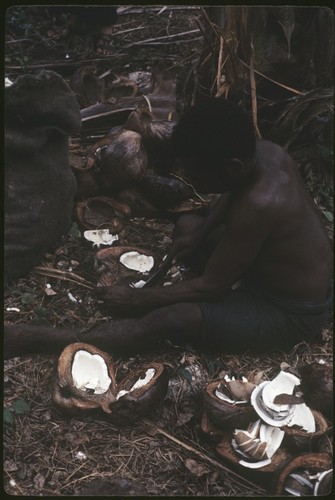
[(161, 271)]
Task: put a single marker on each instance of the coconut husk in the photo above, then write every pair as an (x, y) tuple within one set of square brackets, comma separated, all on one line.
[(89, 89), (306, 441), (165, 192), (224, 415), (226, 450), (313, 462), (123, 410), (110, 269), (139, 204), (102, 212)]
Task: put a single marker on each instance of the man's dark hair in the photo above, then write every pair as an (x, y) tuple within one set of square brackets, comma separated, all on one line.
[(212, 132)]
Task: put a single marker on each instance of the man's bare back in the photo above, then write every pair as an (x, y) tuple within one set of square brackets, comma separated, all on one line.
[(294, 260)]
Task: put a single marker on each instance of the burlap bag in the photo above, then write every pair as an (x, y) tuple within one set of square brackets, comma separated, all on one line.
[(40, 113)]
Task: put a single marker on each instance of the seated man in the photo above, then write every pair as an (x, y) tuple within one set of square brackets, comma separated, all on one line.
[(273, 242)]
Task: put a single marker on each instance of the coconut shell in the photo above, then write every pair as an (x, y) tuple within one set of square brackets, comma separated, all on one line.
[(317, 386), (313, 462), (107, 260), (139, 402), (102, 212), (212, 432), (165, 192), (226, 415), (301, 440), (87, 86), (139, 204), (226, 450), (156, 137), (123, 162), (122, 87), (123, 411), (69, 398)]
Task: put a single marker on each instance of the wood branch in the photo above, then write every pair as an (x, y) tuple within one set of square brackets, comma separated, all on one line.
[(201, 455), (140, 10), (64, 275), (161, 38), (219, 71), (253, 90), (290, 89), (59, 64), (191, 40)]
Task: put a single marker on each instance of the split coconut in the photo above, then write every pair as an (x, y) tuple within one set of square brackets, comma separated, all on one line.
[(85, 380), (123, 162), (227, 403), (308, 474)]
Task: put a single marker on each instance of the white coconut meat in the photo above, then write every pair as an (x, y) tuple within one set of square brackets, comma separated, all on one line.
[(138, 284), (141, 382), (283, 383), (303, 417), (239, 390), (272, 436), (259, 442), (89, 371), (276, 418), (100, 237), (137, 261), (8, 82)]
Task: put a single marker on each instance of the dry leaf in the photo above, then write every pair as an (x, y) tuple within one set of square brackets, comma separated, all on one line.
[(196, 468)]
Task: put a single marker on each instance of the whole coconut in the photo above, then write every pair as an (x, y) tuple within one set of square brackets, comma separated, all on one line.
[(123, 162)]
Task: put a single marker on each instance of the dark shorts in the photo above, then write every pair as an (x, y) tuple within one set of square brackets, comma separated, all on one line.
[(248, 319)]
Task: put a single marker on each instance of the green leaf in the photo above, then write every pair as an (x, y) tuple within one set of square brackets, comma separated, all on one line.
[(41, 311), (20, 407), (186, 374), (74, 231), (328, 215), (27, 298)]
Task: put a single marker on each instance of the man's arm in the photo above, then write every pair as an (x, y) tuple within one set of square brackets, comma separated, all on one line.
[(246, 230), (189, 243)]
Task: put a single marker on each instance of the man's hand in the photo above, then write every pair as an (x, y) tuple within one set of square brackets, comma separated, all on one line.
[(185, 246), (120, 299), (115, 295)]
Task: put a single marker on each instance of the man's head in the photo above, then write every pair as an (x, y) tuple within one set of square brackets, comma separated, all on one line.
[(215, 144)]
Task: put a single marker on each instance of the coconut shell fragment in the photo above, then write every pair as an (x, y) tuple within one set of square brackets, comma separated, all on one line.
[(226, 451), (301, 440), (123, 162), (133, 404), (165, 192), (67, 395), (317, 386), (102, 212), (224, 414), (306, 465), (85, 380)]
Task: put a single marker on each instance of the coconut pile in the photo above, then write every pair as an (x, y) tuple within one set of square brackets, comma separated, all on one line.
[(86, 380), (260, 424)]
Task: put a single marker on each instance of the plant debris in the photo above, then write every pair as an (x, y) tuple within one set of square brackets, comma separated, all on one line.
[(166, 454)]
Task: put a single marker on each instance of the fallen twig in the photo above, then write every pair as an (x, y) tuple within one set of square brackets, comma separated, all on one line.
[(64, 275), (290, 89), (189, 185), (161, 38), (253, 90), (201, 455)]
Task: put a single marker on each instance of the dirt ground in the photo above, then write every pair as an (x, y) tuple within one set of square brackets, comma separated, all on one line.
[(165, 454)]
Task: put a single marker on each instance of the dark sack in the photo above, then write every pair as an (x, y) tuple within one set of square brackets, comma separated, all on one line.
[(40, 113)]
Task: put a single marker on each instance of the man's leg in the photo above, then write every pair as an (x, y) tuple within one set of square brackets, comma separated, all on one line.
[(179, 322)]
